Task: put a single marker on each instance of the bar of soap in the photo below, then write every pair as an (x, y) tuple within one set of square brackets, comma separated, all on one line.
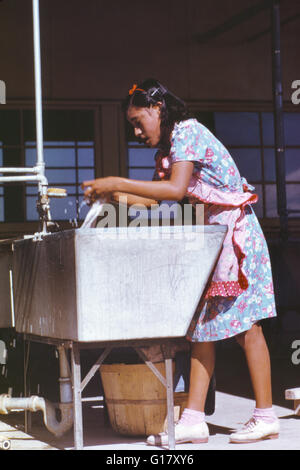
[(57, 192)]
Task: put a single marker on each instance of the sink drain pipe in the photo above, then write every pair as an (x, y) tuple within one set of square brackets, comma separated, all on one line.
[(35, 403)]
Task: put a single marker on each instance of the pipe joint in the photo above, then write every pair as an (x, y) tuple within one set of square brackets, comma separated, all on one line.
[(3, 401)]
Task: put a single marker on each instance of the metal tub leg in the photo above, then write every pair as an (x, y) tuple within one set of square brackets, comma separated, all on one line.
[(76, 378), (170, 403)]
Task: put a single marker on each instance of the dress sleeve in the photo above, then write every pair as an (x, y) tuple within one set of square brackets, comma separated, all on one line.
[(188, 142)]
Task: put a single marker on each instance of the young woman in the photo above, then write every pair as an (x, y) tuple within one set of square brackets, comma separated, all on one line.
[(192, 163)]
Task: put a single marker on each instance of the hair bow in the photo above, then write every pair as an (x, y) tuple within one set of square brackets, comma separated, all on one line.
[(134, 88)]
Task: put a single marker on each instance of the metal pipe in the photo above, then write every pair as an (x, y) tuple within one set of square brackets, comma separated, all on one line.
[(278, 121), (11, 179), (38, 84), (18, 170), (66, 391), (39, 170), (35, 403), (43, 184)]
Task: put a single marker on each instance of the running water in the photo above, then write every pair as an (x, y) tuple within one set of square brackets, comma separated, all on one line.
[(92, 215)]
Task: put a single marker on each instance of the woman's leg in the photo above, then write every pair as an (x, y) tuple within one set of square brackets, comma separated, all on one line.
[(202, 367), (192, 426), (258, 360), (264, 423)]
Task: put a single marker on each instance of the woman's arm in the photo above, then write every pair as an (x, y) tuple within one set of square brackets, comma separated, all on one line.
[(131, 199), (173, 189)]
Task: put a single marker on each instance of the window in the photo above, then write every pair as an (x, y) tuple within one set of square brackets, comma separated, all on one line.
[(67, 165), (241, 135), (140, 161), (69, 159), (249, 137)]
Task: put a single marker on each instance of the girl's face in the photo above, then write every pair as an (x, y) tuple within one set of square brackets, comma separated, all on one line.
[(146, 123)]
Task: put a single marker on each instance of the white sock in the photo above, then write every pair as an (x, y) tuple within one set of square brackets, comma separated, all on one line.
[(267, 415), (190, 417)]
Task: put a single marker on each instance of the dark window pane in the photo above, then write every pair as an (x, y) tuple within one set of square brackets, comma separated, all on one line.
[(85, 143), (293, 197), (51, 143), (292, 164), (32, 189), (86, 175), (292, 159), (29, 128), (248, 162), (269, 164), (141, 174), (141, 157), (268, 128), (237, 128), (31, 212), (10, 127), (13, 202), (85, 157), (59, 157), (61, 176), (292, 128), (52, 157), (271, 200)]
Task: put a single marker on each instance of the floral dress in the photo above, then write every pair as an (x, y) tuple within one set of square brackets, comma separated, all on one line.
[(240, 292)]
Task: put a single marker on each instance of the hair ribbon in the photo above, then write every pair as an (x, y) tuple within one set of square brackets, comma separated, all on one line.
[(134, 88)]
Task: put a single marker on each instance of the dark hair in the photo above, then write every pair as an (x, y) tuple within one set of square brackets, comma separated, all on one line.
[(173, 109)]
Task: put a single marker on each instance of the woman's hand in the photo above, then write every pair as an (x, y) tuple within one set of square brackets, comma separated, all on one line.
[(173, 189), (100, 188)]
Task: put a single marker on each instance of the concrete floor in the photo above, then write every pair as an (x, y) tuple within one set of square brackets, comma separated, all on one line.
[(231, 412), (234, 406)]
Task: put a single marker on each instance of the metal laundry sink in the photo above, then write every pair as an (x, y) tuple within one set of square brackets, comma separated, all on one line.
[(113, 284)]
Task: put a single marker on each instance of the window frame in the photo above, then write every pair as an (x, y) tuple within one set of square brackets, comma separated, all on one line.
[(30, 226)]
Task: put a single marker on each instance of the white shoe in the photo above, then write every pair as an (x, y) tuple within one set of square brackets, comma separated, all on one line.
[(256, 430), (198, 433)]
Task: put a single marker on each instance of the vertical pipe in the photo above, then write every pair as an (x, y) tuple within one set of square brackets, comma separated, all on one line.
[(38, 86), (278, 121), (65, 383)]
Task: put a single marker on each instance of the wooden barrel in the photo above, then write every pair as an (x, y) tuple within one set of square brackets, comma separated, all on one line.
[(136, 399)]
